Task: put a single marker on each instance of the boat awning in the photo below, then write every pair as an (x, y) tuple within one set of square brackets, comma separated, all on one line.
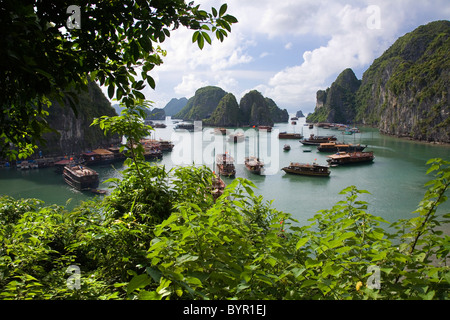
[(102, 151)]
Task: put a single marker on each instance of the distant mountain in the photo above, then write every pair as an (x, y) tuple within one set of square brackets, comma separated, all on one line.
[(174, 106), (255, 109), (227, 113), (155, 114), (215, 107), (276, 113), (299, 114), (405, 92), (338, 102), (202, 104)]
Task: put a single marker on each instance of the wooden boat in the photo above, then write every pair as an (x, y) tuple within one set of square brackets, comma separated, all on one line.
[(98, 191), (159, 125), (286, 147), (285, 135), (254, 165), (165, 145), (294, 122), (341, 158), (317, 140), (184, 126), (98, 157), (225, 164), (307, 150), (80, 177), (218, 186), (294, 118), (340, 147), (266, 128), (307, 169), (236, 137), (59, 165), (152, 153), (222, 131)]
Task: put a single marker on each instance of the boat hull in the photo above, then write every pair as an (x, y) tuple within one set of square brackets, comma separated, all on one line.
[(308, 170), (88, 180), (351, 158)]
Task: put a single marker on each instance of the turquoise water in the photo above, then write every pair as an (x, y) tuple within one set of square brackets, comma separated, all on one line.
[(395, 179)]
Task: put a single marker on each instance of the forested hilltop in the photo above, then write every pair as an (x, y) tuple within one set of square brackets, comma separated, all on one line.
[(405, 92), (215, 107)]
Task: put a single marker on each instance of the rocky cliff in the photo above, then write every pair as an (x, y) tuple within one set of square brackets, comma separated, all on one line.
[(338, 102), (227, 113), (74, 133), (277, 114), (215, 107), (406, 91), (202, 104), (255, 109)]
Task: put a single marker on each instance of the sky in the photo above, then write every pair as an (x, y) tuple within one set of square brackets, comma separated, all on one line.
[(288, 49)]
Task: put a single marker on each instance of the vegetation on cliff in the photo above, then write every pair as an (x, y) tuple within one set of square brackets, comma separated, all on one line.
[(215, 107), (74, 133), (227, 113), (338, 103), (406, 91), (202, 104)]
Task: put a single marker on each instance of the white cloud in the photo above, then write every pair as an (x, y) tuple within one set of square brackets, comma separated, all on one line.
[(349, 35), (189, 85)]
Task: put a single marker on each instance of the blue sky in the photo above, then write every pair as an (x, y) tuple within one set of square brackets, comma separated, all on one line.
[(288, 49)]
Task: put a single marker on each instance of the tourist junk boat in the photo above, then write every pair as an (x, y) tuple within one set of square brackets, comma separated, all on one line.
[(254, 165), (341, 158), (236, 137), (266, 128), (317, 140), (185, 126), (163, 145), (285, 135), (307, 169), (225, 164), (222, 131), (98, 157), (340, 147), (80, 177)]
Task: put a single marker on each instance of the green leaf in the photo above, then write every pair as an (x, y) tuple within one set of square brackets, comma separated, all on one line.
[(139, 281), (151, 82), (207, 37), (301, 243), (111, 91), (223, 9)]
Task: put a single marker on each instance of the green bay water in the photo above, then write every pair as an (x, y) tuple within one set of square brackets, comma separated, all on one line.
[(395, 179)]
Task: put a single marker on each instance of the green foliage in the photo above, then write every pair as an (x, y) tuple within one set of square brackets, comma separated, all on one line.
[(41, 60), (238, 247)]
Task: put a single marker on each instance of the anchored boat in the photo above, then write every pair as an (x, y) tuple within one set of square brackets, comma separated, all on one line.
[(254, 165), (307, 169), (341, 158), (80, 177), (225, 164)]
